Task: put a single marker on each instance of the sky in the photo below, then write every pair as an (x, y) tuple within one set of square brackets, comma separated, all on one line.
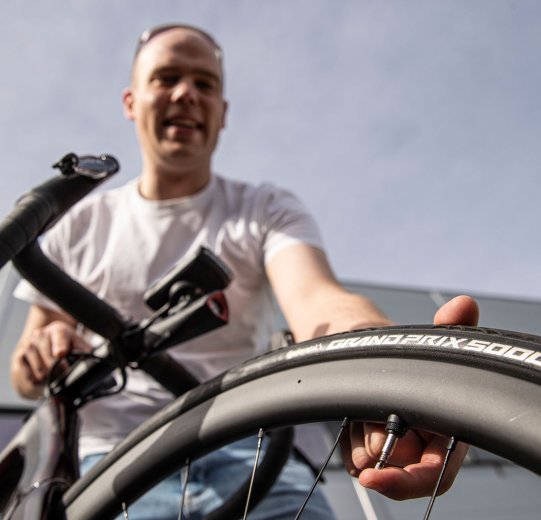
[(410, 129)]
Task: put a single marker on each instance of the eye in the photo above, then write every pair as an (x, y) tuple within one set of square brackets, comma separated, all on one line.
[(167, 80), (206, 85)]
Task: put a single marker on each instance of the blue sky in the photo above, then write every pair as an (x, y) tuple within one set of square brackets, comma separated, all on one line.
[(410, 129)]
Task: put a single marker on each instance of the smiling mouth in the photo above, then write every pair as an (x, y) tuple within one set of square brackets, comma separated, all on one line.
[(183, 123)]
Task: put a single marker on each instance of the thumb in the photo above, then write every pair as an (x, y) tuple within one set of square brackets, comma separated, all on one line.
[(461, 310)]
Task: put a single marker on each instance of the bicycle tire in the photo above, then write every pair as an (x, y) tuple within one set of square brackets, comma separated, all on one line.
[(177, 380), (484, 387)]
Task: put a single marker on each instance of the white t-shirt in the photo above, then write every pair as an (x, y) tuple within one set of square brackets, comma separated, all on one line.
[(117, 244)]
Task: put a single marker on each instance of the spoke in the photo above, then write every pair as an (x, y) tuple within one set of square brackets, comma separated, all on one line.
[(254, 469), (184, 487), (450, 448), (345, 422)]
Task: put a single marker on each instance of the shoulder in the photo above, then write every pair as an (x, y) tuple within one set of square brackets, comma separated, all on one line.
[(269, 213)]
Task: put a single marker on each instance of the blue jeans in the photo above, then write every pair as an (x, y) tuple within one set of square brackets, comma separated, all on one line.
[(216, 476)]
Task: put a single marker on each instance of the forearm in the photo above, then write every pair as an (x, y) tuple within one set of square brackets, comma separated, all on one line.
[(336, 310), (313, 302)]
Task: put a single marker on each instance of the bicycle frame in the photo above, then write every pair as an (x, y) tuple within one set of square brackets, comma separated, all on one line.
[(40, 462)]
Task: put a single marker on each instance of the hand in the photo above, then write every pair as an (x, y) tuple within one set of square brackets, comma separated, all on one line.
[(420, 453), (38, 351)]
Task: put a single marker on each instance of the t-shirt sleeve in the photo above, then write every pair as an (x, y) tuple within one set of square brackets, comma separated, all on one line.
[(287, 222)]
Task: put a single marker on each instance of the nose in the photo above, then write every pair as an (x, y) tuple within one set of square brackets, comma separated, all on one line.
[(184, 92)]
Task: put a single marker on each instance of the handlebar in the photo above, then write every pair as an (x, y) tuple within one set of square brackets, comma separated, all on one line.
[(187, 301), (42, 206), (37, 211), (75, 299)]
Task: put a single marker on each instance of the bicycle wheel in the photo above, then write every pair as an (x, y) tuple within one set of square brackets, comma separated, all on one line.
[(482, 386)]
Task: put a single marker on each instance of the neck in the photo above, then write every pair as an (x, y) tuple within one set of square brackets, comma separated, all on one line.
[(162, 185)]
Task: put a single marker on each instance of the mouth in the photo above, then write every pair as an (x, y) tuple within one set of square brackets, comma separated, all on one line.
[(183, 123)]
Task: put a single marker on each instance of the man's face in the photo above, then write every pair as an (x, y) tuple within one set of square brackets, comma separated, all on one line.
[(176, 99)]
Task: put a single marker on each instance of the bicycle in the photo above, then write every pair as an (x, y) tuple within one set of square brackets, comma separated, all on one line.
[(358, 375)]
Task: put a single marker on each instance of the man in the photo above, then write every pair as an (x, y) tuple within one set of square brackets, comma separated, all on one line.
[(119, 242)]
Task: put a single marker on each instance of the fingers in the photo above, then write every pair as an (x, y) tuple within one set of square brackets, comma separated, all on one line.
[(352, 448), (43, 347), (36, 356), (461, 310), (408, 448), (417, 479), (414, 466), (346, 452), (365, 443)]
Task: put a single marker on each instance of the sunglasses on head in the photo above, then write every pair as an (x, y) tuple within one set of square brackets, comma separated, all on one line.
[(147, 35)]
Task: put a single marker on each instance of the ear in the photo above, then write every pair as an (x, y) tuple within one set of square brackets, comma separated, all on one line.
[(127, 103), (224, 113)]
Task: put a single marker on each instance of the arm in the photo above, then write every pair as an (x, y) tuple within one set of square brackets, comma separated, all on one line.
[(314, 304), (47, 336)]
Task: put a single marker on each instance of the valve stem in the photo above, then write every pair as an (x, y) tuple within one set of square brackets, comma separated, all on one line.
[(396, 429)]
